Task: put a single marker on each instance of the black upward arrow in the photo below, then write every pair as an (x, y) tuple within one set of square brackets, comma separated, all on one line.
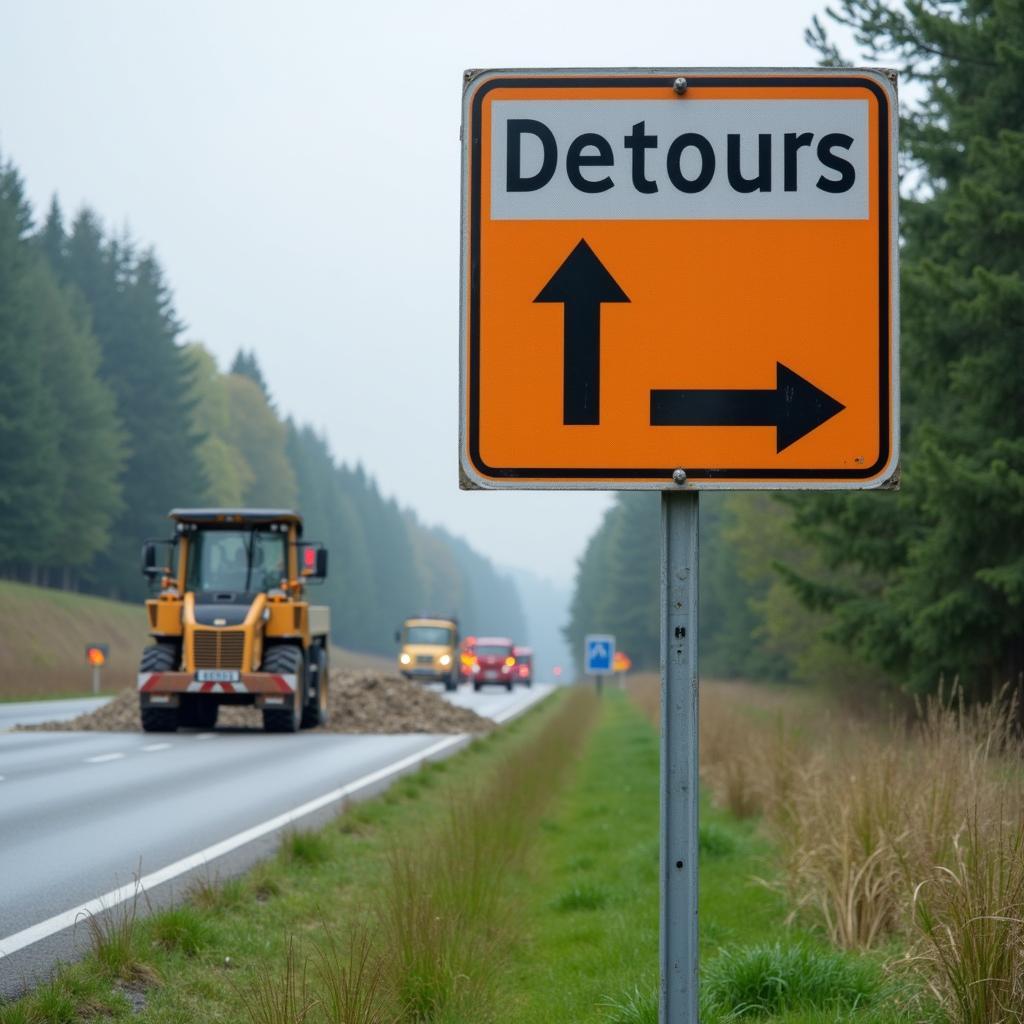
[(581, 283), (795, 407)]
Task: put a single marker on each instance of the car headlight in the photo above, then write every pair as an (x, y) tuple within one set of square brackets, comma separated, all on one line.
[(445, 659), (405, 658)]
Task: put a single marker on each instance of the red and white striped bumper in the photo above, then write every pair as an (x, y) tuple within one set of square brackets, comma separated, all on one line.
[(186, 682)]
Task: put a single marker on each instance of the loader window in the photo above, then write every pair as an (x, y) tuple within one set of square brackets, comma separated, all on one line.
[(241, 561)]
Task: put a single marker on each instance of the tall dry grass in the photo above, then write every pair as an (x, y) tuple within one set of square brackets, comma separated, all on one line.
[(910, 827), (447, 920)]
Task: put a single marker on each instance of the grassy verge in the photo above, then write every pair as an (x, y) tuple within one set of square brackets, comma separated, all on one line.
[(396, 911), (43, 633), (592, 902)]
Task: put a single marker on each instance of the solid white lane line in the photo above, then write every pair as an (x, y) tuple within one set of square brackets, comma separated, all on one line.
[(102, 758), (151, 748), (57, 923)]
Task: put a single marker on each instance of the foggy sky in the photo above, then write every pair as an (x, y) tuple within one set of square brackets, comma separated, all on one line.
[(296, 167)]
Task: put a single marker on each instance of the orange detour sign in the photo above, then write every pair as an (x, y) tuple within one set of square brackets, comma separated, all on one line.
[(622, 662), (96, 654), (679, 279)]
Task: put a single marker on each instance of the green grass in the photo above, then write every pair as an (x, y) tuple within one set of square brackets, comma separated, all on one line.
[(591, 952)]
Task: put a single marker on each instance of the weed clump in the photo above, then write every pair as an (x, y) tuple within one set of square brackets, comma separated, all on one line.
[(715, 841), (306, 847), (181, 928), (637, 1007), (759, 981)]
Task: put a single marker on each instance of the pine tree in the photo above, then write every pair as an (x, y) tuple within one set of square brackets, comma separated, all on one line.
[(133, 318), (246, 365), (31, 468), (941, 566)]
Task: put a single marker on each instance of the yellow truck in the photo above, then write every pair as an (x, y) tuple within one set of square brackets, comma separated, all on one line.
[(428, 648), (230, 621)]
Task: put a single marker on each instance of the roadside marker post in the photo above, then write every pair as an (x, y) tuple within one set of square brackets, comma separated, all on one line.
[(679, 280), (96, 655)]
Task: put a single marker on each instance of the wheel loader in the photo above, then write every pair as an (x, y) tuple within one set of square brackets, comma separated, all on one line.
[(230, 621)]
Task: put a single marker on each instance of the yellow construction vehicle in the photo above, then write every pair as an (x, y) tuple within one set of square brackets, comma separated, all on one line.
[(231, 623), (428, 649)]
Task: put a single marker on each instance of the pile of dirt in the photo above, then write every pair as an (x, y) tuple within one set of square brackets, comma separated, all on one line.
[(363, 702)]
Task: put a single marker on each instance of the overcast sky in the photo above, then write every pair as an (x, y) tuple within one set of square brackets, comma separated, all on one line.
[(296, 166)]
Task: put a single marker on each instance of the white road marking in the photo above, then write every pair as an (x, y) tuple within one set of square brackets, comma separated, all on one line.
[(102, 758), (151, 748), (68, 918), (206, 736)]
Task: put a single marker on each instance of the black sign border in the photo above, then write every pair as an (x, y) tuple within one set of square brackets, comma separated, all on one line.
[(665, 473)]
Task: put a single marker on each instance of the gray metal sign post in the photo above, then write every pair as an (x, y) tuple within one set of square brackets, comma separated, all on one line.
[(679, 764)]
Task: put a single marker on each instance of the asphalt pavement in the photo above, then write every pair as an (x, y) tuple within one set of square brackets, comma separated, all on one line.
[(85, 815)]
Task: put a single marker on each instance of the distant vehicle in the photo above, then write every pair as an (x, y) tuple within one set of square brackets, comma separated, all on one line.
[(494, 662), (428, 649), (231, 623), (524, 665)]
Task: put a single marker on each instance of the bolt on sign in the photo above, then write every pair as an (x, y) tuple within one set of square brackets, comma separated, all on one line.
[(665, 273)]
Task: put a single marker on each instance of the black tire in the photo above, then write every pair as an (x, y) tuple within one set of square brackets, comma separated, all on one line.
[(162, 657), (476, 687), (314, 711), (508, 686), (285, 660), (451, 682)]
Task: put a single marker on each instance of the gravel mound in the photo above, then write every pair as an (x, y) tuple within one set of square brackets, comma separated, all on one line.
[(364, 702)]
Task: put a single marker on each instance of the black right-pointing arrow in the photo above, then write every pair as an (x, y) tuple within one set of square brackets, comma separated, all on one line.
[(794, 407)]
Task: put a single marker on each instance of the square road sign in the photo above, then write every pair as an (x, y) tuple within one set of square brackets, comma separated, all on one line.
[(668, 270), (598, 654)]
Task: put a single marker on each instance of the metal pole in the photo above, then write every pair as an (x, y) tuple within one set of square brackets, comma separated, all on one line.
[(96, 679), (679, 766)]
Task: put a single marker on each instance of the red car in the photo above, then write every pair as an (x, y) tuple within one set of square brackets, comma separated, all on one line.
[(523, 668), (494, 662)]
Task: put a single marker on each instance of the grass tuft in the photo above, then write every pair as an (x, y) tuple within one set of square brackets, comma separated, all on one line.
[(637, 1007), (208, 894), (114, 941), (761, 980), (715, 841), (971, 917), (182, 928), (352, 984), (264, 882), (581, 896), (280, 997), (306, 847)]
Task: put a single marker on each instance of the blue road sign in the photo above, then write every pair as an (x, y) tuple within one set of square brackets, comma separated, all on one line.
[(598, 654)]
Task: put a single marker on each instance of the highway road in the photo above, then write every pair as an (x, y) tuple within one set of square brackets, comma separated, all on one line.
[(84, 814), (34, 712)]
